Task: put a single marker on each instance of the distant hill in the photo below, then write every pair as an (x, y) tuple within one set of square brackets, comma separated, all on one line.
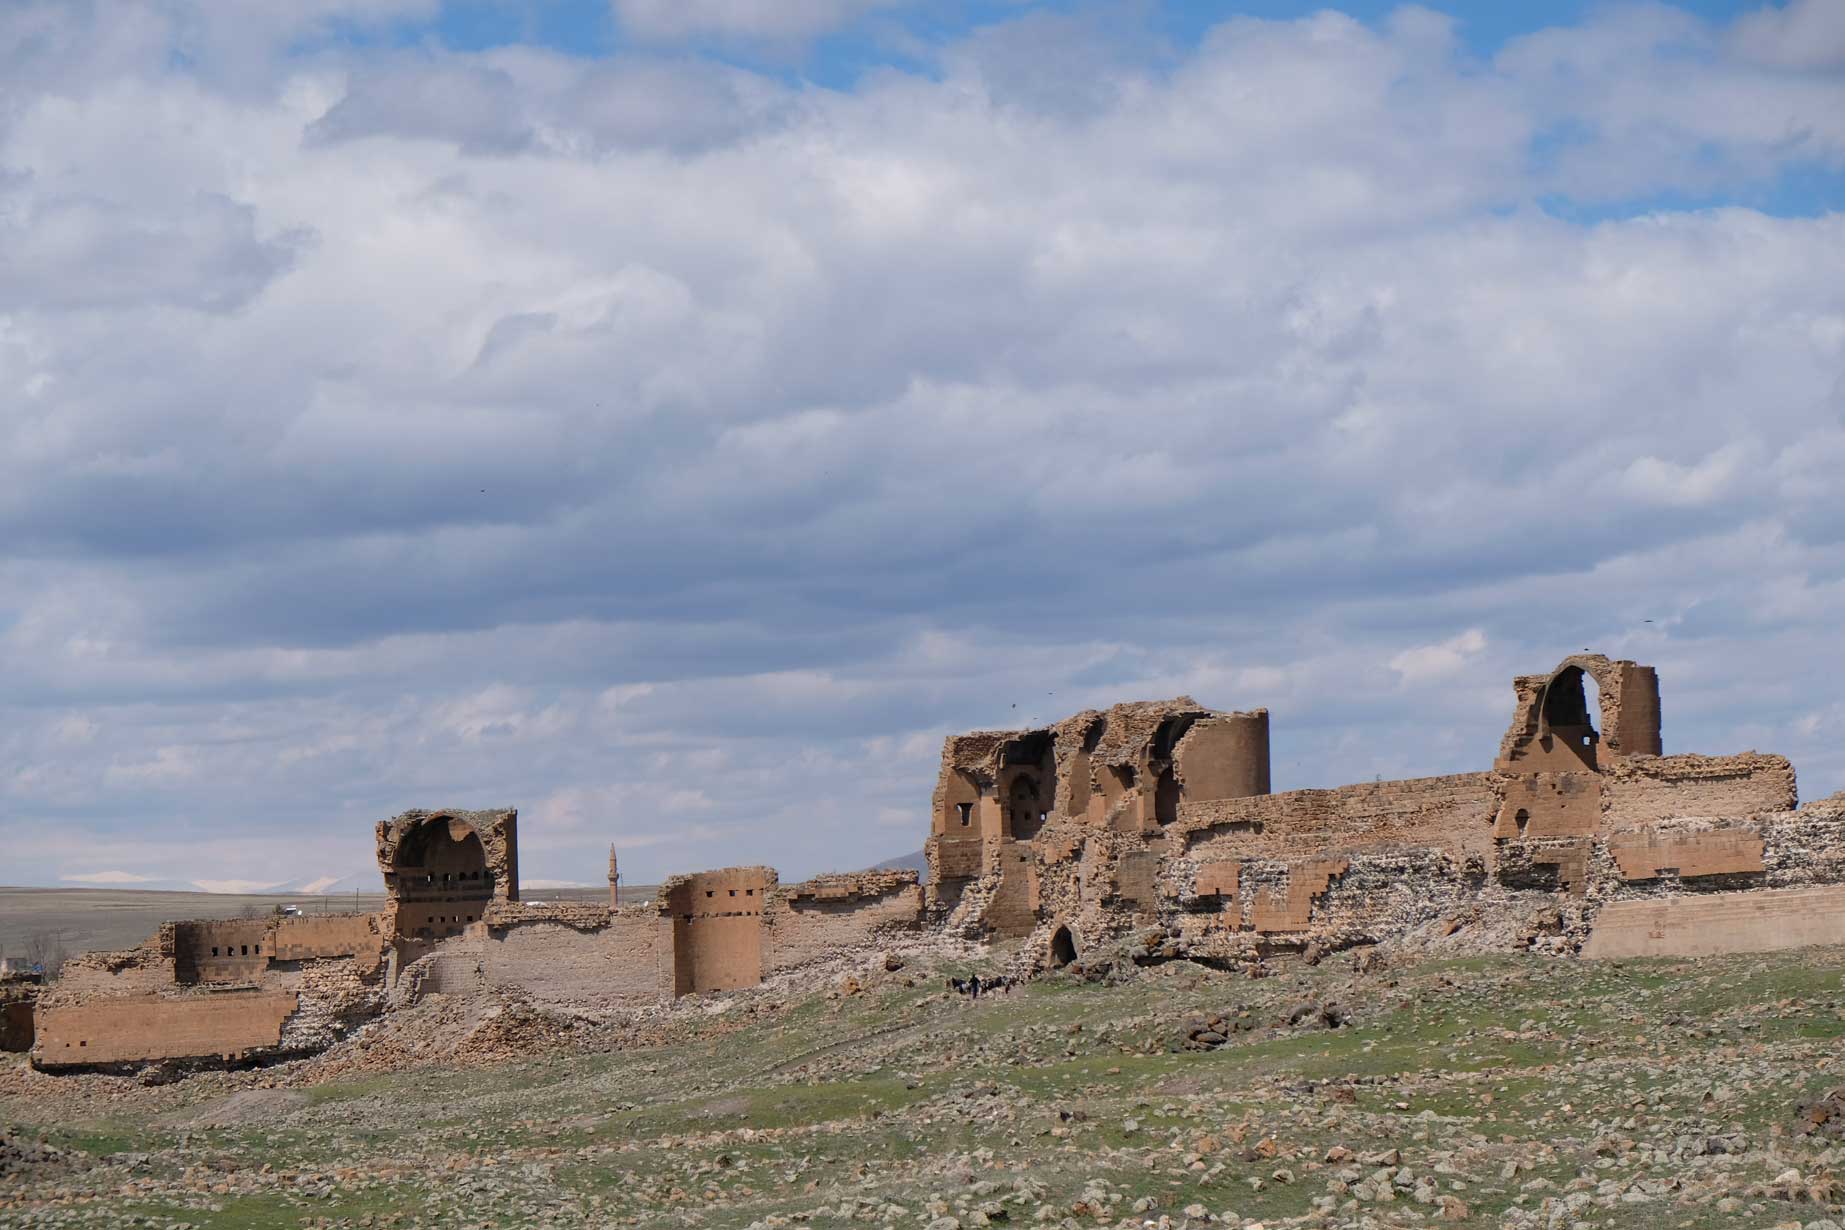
[(917, 862)]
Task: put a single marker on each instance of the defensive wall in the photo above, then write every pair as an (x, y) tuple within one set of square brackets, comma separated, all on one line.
[(232, 990), (1150, 823), (1581, 836)]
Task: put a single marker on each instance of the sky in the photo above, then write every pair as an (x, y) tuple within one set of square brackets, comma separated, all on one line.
[(673, 417)]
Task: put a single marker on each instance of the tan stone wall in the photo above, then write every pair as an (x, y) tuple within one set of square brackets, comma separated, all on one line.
[(1291, 909), (1705, 924), (1224, 756), (231, 950), (717, 928), (325, 935), (133, 971), (1550, 805), (1645, 856), (130, 1029), (814, 921), (1455, 813), (626, 963), (1648, 789)]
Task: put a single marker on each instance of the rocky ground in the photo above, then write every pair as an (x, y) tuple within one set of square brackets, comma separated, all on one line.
[(1518, 1091)]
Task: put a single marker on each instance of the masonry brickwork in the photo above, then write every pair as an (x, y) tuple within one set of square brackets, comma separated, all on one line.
[(1149, 824), (453, 924), (1581, 826)]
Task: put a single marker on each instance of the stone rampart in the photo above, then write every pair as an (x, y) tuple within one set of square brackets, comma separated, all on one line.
[(137, 1028)]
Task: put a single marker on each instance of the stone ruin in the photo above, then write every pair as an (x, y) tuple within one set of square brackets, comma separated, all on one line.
[(235, 990), (1155, 820), (1149, 825)]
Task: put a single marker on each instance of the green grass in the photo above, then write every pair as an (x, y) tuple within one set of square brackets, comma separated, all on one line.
[(903, 1096)]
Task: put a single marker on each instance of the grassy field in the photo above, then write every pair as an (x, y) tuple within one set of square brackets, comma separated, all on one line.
[(1506, 1091)]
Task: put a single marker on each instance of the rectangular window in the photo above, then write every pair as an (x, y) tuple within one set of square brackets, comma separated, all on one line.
[(214, 950)]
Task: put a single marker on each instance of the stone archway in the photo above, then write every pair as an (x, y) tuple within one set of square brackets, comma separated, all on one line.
[(441, 879), (1026, 813), (1568, 713), (1062, 948)]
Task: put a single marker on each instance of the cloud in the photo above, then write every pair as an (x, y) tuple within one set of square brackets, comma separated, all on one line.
[(1801, 34), (679, 451), (678, 20), (108, 877), (234, 887), (1655, 480), (204, 255), (513, 102), (1449, 657)]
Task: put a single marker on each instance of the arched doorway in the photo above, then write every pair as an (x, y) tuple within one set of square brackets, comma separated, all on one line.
[(1063, 948), (441, 879), (1570, 703), (1026, 816), (1166, 798)]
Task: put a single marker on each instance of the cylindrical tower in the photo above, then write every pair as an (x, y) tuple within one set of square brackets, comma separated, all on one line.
[(1224, 756)]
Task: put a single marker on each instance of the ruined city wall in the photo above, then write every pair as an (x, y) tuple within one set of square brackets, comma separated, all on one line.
[(825, 917), (717, 928), (132, 1029), (314, 936), (625, 962), (1707, 924), (130, 971), (1455, 813), (1224, 756), (221, 950), (1647, 789), (496, 830)]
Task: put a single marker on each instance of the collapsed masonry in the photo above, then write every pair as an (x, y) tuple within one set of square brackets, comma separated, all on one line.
[(1155, 819), (452, 923), (1150, 823)]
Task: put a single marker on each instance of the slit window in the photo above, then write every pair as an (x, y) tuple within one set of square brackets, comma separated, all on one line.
[(967, 813)]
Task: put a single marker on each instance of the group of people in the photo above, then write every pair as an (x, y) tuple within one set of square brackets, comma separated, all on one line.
[(976, 986)]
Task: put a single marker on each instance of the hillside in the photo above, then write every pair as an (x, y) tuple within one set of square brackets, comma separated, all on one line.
[(1520, 1091)]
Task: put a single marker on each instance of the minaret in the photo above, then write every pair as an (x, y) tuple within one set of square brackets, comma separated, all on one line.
[(614, 879)]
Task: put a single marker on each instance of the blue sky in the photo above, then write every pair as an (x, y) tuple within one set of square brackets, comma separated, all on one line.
[(674, 418)]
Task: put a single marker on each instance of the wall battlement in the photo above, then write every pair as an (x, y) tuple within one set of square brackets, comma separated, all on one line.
[(1147, 818)]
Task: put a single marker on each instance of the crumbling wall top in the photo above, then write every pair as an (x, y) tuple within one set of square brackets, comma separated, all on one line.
[(850, 886)]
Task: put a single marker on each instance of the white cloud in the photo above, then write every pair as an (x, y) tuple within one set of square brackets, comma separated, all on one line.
[(1439, 661), (1805, 34), (107, 877), (1670, 483), (678, 451), (673, 20), (235, 887)]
